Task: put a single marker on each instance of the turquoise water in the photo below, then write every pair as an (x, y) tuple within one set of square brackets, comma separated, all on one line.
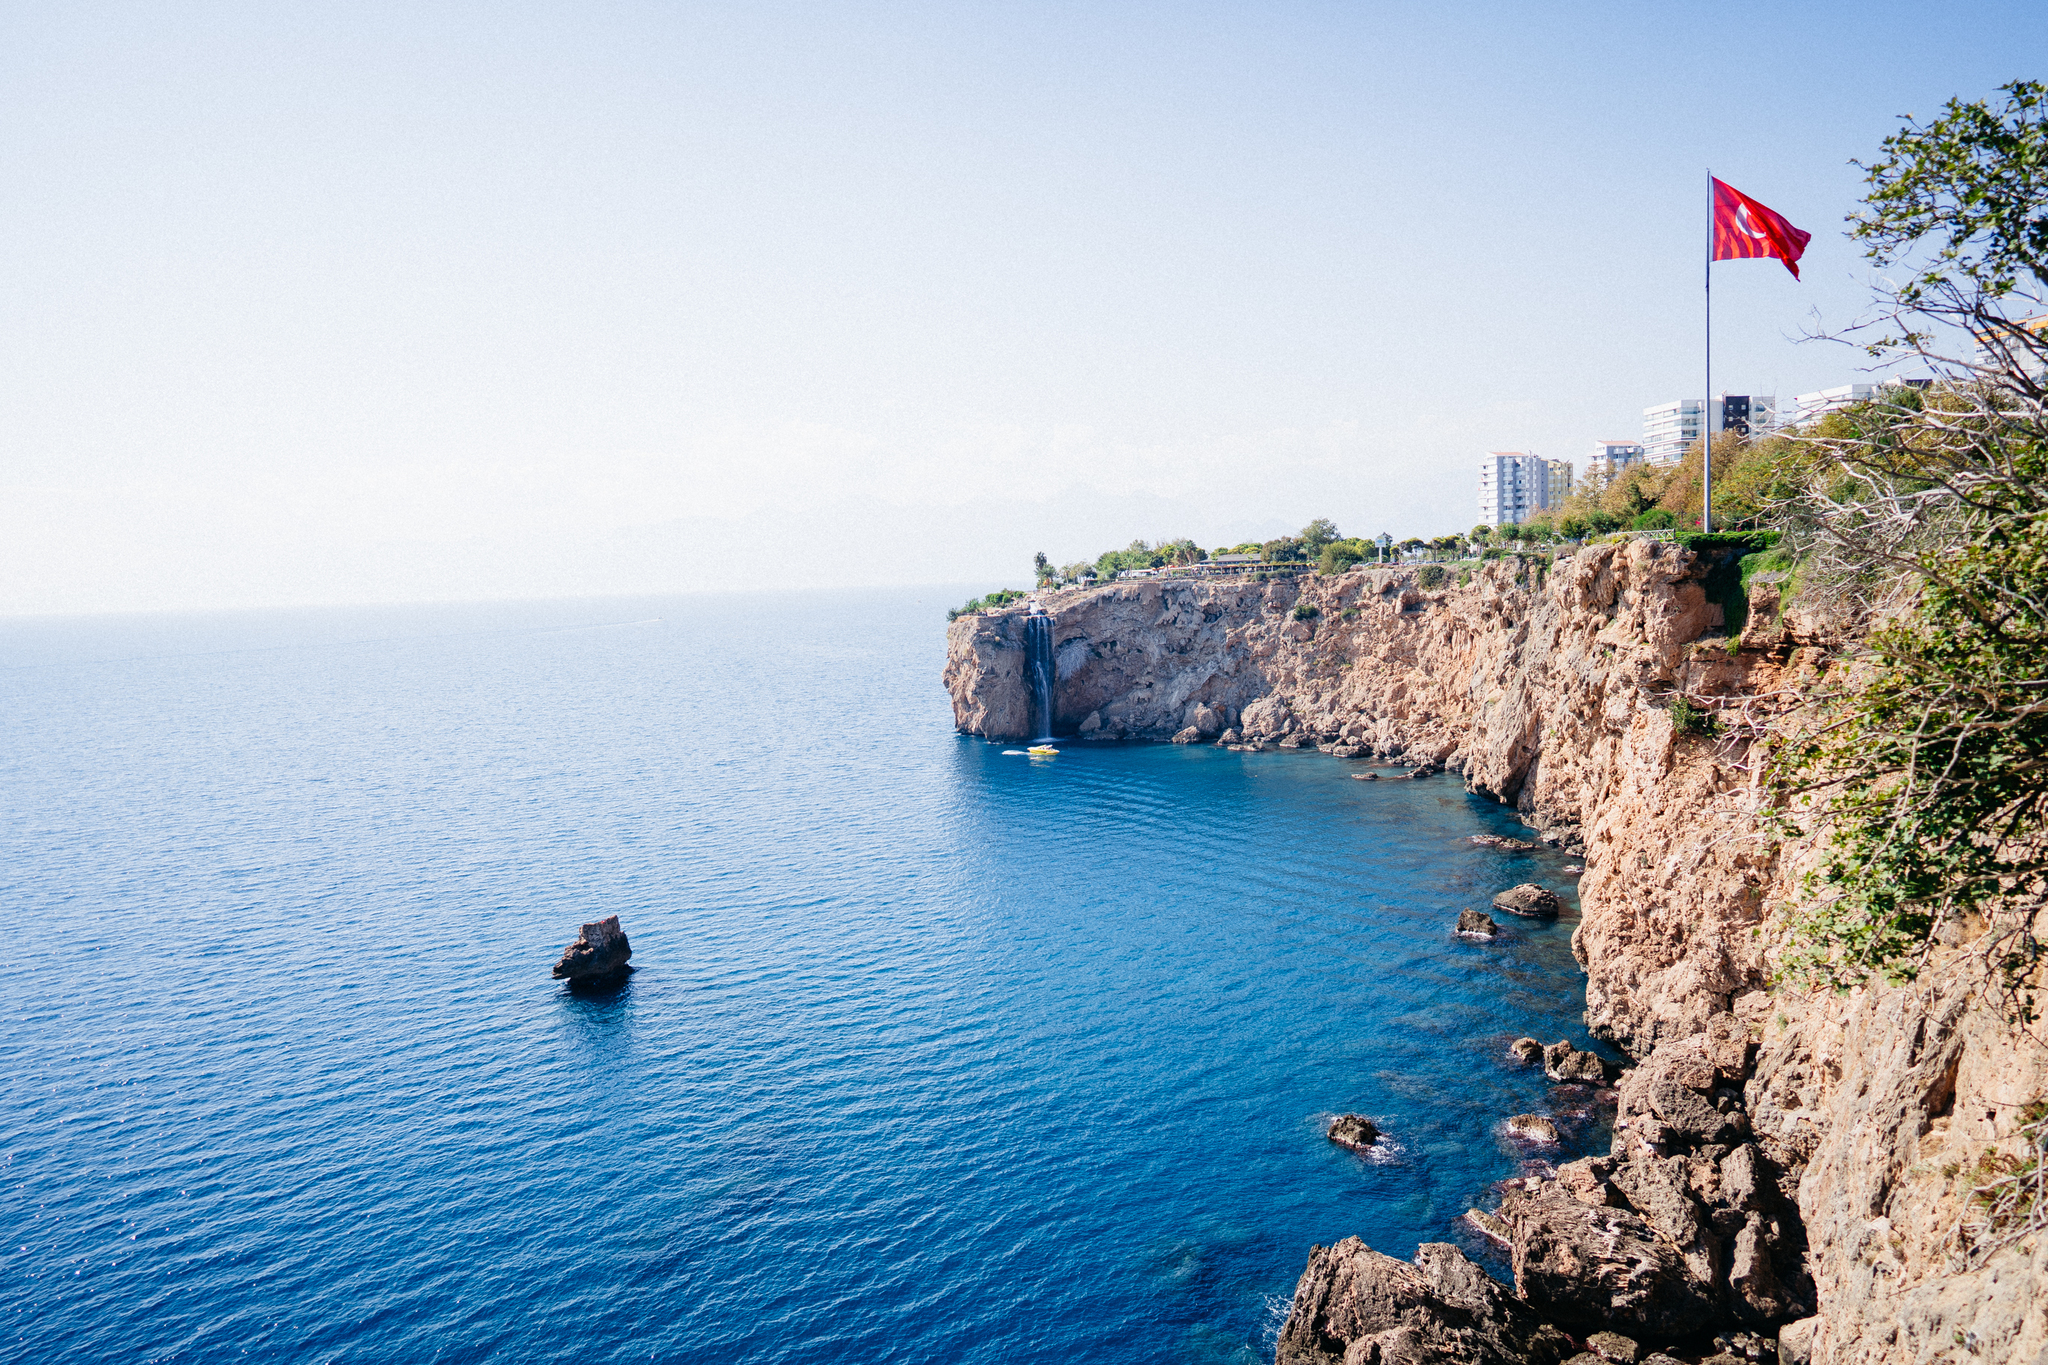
[(933, 1052)]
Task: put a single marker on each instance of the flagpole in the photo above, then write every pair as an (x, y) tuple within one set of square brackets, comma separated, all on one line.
[(1707, 408)]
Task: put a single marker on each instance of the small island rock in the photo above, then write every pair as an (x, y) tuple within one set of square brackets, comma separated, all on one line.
[(1477, 924), (1534, 1127), (1528, 900), (1565, 1063), (1354, 1131), (1527, 1051), (599, 953)]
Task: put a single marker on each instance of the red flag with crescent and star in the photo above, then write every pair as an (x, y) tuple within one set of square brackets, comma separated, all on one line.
[(1744, 228)]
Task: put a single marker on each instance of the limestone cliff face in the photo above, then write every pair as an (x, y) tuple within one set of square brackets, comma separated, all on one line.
[(1550, 691), (1547, 693)]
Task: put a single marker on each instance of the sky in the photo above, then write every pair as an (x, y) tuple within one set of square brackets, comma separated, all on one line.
[(435, 302)]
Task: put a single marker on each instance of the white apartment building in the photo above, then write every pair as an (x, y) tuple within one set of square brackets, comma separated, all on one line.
[(1611, 457), (1808, 407), (1669, 429), (1514, 485)]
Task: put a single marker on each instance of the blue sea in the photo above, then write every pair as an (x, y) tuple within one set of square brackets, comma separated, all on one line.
[(934, 1051)]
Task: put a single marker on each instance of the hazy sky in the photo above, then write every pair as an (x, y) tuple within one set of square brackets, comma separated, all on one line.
[(337, 303)]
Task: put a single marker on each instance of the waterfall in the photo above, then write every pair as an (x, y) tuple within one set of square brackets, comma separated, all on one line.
[(1038, 667)]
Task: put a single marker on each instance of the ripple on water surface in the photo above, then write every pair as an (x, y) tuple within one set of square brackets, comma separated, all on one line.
[(936, 1051)]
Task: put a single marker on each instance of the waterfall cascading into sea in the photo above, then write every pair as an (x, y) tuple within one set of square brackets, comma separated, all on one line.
[(1038, 668)]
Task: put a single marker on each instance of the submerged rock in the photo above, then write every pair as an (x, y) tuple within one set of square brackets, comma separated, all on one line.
[(1528, 900), (1365, 777), (1354, 1131), (1503, 843), (599, 953), (1355, 1304), (1477, 924)]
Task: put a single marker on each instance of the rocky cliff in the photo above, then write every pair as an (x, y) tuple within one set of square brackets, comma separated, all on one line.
[(1551, 688)]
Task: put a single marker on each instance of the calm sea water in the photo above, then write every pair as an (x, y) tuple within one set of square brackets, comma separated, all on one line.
[(934, 1052)]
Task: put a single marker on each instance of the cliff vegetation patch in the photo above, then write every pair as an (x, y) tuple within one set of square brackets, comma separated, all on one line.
[(1925, 513)]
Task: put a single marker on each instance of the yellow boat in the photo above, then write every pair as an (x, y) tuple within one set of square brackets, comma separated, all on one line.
[(1041, 749)]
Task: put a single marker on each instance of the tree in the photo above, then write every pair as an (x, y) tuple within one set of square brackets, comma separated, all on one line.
[(1922, 776), (1317, 534), (1041, 566), (1955, 216), (1480, 533)]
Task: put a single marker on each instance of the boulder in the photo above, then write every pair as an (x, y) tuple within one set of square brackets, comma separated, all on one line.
[(1795, 1341), (1347, 750), (1477, 923), (1265, 718), (1526, 1051), (1566, 1064), (1533, 1127), (1294, 741), (1528, 900), (1187, 736), (1365, 777), (1229, 737), (1489, 1226), (600, 953), (1093, 724), (1354, 1304), (1354, 1131), (1615, 1347), (1601, 1267), (1503, 843), (1205, 720)]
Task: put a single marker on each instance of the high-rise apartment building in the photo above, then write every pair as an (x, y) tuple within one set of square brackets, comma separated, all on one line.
[(1808, 407), (1611, 457), (1560, 483), (1669, 429), (1514, 485)]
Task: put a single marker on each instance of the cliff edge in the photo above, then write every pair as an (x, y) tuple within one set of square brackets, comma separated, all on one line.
[(1551, 688)]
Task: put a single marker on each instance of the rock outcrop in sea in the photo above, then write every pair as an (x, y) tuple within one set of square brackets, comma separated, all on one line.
[(1786, 1160), (600, 953)]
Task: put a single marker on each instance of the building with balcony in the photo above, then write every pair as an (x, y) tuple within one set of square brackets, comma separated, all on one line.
[(1560, 483), (1513, 486), (1611, 457), (1669, 429)]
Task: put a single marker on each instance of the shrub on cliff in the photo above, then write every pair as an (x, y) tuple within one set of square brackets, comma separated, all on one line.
[(1001, 597), (1431, 576)]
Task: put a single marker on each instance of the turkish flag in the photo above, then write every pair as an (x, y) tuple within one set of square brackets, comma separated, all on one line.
[(1744, 228)]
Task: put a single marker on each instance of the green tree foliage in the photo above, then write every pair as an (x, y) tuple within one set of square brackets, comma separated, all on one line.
[(1339, 555), (1317, 534), (1926, 776), (1960, 200)]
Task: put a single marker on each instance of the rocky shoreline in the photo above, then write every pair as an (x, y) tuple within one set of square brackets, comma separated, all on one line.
[(1789, 1170)]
